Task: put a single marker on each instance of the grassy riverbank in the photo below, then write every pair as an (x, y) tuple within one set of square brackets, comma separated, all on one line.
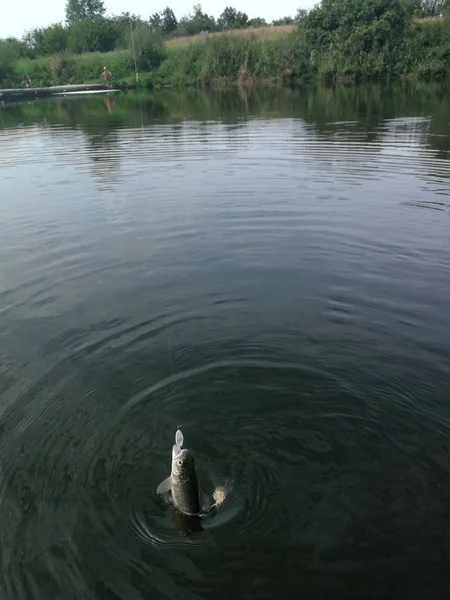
[(375, 51), (262, 33)]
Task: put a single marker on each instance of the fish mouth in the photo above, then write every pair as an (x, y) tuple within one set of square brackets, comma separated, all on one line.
[(180, 453), (176, 451), (180, 460)]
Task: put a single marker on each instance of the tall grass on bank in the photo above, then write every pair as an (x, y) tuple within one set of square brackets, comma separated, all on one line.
[(426, 50), (221, 58), (234, 58), (65, 69), (69, 68), (422, 52), (257, 32)]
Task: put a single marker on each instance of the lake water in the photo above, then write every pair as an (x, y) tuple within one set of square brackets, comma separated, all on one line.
[(271, 271)]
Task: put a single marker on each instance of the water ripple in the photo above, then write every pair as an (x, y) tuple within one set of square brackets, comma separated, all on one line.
[(266, 282)]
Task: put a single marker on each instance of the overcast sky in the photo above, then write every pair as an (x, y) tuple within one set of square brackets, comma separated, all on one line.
[(18, 16)]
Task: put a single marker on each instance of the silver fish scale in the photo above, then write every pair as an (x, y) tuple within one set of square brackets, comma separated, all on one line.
[(185, 488)]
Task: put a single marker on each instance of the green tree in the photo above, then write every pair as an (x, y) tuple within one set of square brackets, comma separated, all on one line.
[(301, 14), (148, 48), (18, 47), (283, 21), (99, 35), (345, 16), (10, 51), (33, 40), (54, 39), (358, 38), (169, 22), (46, 40), (155, 22), (197, 22), (84, 10), (232, 19), (257, 22), (412, 6), (123, 23)]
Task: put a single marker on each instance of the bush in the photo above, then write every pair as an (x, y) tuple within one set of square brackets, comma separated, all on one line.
[(97, 35), (148, 48), (11, 50)]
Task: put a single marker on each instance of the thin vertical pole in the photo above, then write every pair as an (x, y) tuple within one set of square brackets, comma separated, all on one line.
[(134, 54)]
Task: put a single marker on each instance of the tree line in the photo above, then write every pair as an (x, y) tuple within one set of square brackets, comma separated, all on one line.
[(87, 29)]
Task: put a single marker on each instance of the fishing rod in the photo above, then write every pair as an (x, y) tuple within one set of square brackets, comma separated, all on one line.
[(134, 52)]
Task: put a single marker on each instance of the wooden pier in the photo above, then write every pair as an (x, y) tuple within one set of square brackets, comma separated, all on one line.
[(56, 90)]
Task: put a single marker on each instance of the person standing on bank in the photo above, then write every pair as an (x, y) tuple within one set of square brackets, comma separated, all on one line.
[(106, 75)]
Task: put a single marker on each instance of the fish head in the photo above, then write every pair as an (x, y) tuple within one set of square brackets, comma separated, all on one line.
[(182, 462)]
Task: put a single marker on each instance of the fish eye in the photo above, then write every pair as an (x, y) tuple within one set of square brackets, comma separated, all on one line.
[(179, 462)]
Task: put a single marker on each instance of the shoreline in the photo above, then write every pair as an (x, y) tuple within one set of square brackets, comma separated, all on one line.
[(216, 84), (229, 60)]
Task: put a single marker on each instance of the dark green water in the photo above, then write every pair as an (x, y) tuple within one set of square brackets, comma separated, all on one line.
[(271, 271)]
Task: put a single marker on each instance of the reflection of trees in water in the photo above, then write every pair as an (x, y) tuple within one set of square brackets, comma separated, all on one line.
[(372, 127), (439, 129), (328, 110), (103, 151), (355, 114)]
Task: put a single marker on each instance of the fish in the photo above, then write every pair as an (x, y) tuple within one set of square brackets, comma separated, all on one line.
[(185, 524), (182, 482)]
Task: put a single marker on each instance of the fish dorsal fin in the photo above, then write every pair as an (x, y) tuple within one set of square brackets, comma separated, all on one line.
[(179, 439)]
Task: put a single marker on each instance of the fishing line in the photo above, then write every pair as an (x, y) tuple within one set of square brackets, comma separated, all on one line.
[(166, 325), (161, 281), (161, 284), (168, 342)]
